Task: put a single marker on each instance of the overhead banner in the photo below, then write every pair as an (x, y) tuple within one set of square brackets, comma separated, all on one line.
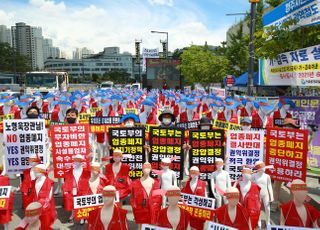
[(243, 148), (4, 197), (68, 141), (307, 110), (287, 151), (102, 124), (216, 226), (167, 143), (206, 146), (84, 204), (130, 141), (304, 12), (22, 139), (295, 68), (198, 206)]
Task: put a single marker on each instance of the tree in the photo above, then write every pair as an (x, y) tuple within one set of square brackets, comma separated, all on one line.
[(201, 65), (117, 76), (11, 61)]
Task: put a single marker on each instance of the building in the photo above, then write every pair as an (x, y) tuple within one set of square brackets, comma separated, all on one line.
[(107, 60), (79, 53), (235, 28), (28, 41), (49, 51), (5, 35)]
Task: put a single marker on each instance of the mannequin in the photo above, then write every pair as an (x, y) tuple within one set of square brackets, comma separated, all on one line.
[(189, 114), (145, 205), (6, 215), (296, 212), (31, 221), (250, 196), (75, 184), (174, 217), (168, 177), (263, 180), (228, 114), (221, 179), (97, 180), (28, 177), (42, 192), (195, 186), (233, 214), (118, 174), (110, 216), (7, 108)]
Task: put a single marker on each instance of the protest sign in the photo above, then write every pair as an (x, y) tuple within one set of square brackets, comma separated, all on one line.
[(130, 141), (84, 118), (6, 117), (102, 124), (244, 148), (68, 141), (93, 111), (4, 197), (198, 206), (84, 204), (225, 125), (24, 138), (152, 227), (313, 159), (206, 146), (167, 142), (294, 68), (189, 125), (215, 226), (287, 152), (278, 227)]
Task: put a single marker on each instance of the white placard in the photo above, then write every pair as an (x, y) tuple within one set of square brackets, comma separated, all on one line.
[(198, 201), (216, 226), (5, 191), (22, 139), (90, 200), (243, 148), (152, 227), (278, 227)]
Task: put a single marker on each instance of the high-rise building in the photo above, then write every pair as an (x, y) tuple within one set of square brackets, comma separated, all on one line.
[(28, 41), (49, 51), (81, 53), (5, 35)]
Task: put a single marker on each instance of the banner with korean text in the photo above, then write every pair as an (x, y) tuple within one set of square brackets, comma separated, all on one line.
[(84, 204), (313, 160), (167, 142), (216, 226), (4, 197), (244, 148), (287, 151), (206, 146), (198, 206), (130, 141), (295, 68), (23, 138), (68, 141), (102, 124), (225, 125), (152, 227), (278, 227)]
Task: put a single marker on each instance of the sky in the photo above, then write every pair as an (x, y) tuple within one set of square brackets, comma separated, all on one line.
[(102, 23)]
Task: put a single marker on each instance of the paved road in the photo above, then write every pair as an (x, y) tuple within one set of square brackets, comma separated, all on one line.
[(62, 222)]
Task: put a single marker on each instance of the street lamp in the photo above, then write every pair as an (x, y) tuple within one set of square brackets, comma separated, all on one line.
[(163, 32)]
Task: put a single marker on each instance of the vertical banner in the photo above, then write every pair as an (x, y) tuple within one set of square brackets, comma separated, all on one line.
[(68, 141), (244, 148), (23, 138), (130, 141), (314, 153), (206, 146), (287, 151), (167, 142)]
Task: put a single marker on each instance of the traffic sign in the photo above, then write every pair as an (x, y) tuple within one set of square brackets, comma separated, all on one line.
[(229, 81)]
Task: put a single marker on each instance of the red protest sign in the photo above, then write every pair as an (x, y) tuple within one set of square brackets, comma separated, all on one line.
[(68, 141), (287, 151)]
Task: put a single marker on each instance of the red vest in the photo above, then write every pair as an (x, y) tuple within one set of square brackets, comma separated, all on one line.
[(184, 117), (200, 188), (101, 136), (241, 221), (183, 223), (277, 115), (122, 181), (233, 118), (25, 188), (257, 122), (5, 215), (118, 221)]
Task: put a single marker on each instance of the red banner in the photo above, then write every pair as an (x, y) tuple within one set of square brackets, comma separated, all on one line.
[(287, 151), (199, 213), (68, 141)]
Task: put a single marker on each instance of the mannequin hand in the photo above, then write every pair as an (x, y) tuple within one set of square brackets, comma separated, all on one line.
[(147, 148), (186, 146)]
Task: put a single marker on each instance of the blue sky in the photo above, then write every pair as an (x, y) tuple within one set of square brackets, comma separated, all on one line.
[(99, 23)]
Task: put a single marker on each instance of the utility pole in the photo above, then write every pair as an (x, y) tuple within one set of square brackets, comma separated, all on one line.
[(137, 46)]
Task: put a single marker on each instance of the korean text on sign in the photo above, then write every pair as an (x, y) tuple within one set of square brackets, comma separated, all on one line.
[(243, 148), (130, 141), (102, 124), (287, 152), (215, 226), (84, 204), (68, 141), (167, 143), (4, 197), (206, 146), (22, 139)]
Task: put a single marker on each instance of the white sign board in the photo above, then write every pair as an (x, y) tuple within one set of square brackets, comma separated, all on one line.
[(22, 139), (152, 227), (243, 148), (5, 191), (278, 227), (198, 201), (90, 201), (216, 226)]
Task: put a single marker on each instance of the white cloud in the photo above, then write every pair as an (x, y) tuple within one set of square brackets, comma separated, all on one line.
[(113, 25), (161, 2)]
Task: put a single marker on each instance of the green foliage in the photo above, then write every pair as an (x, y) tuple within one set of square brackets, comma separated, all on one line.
[(201, 65), (118, 76), (274, 3), (10, 61)]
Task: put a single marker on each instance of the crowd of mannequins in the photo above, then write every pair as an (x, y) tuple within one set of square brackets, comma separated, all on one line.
[(154, 199)]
